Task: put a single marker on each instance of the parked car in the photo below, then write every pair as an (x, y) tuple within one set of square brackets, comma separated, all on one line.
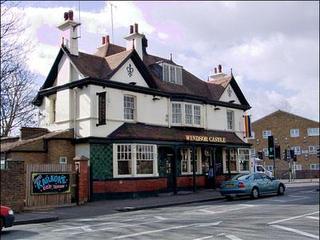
[(6, 217), (253, 184)]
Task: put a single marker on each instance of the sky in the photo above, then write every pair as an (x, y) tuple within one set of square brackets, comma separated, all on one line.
[(272, 47)]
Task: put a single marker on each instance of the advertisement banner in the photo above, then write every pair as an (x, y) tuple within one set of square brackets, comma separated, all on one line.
[(50, 183)]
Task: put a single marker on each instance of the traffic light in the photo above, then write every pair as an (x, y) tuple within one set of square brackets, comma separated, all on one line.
[(260, 155), (291, 153), (271, 146), (295, 158), (277, 151)]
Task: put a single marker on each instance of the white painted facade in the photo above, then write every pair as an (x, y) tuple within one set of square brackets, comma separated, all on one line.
[(77, 108)]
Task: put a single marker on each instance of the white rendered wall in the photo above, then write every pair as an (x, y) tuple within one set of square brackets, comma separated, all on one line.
[(225, 96), (122, 75)]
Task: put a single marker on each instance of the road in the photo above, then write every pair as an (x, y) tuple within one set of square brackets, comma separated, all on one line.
[(292, 216)]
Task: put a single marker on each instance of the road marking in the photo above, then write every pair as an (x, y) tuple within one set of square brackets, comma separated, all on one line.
[(152, 231), (207, 211), (290, 218), (312, 217), (240, 207), (203, 238), (296, 231), (232, 237), (160, 218), (208, 224)]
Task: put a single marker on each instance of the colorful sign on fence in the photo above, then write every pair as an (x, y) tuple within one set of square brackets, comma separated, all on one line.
[(50, 183)]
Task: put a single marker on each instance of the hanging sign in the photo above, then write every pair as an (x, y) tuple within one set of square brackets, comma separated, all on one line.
[(50, 183), (195, 138)]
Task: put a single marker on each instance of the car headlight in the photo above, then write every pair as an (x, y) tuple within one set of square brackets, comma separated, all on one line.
[(10, 212)]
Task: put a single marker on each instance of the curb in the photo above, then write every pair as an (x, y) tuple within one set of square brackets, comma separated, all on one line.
[(36, 220), (130, 209)]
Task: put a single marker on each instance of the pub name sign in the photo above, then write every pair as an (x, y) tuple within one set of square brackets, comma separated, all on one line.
[(195, 138)]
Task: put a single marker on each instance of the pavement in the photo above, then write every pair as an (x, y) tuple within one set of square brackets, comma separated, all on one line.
[(97, 208)]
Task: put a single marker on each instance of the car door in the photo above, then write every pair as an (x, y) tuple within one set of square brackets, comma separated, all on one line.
[(259, 182), (268, 184)]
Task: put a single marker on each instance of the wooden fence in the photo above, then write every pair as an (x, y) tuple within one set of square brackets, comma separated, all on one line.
[(47, 195)]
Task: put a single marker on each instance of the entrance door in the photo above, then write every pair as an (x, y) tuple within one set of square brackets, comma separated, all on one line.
[(168, 167)]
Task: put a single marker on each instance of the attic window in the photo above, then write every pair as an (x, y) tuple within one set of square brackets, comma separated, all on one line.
[(172, 73)]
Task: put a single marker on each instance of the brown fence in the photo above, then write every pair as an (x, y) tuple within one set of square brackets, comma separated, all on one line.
[(49, 185)]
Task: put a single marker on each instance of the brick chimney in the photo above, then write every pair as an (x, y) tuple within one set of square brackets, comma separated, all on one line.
[(29, 132), (135, 40), (70, 34), (217, 73)]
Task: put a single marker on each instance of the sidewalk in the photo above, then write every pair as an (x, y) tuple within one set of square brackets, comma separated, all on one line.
[(103, 207)]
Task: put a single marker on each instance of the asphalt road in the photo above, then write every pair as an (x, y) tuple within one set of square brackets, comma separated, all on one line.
[(292, 216)]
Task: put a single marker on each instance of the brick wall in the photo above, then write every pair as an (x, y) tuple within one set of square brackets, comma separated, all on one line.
[(280, 124), (13, 185), (29, 132), (187, 181), (130, 185), (60, 148)]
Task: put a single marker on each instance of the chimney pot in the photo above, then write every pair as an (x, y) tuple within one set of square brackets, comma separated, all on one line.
[(107, 39), (136, 28), (131, 29), (65, 16), (70, 14), (220, 68), (103, 40), (215, 70)]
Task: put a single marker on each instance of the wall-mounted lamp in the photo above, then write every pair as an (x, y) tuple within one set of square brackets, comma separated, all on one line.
[(231, 101), (216, 108), (132, 83), (155, 98)]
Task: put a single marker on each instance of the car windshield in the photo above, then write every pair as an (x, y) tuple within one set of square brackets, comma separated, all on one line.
[(241, 177)]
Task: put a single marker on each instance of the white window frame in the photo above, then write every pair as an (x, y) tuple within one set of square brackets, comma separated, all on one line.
[(171, 73), (297, 167), (225, 161), (176, 113), (244, 157), (183, 114), (134, 108), (63, 160), (314, 166), (232, 120), (133, 161), (186, 155), (313, 132), (196, 116), (266, 134), (188, 114), (294, 132)]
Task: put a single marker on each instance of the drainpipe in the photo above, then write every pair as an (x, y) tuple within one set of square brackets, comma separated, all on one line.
[(75, 112), (194, 168)]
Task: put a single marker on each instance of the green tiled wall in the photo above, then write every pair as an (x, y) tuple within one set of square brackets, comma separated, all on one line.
[(101, 161)]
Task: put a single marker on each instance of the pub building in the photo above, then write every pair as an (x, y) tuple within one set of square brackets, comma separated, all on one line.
[(144, 123)]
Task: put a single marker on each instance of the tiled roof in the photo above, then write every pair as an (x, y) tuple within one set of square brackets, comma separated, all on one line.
[(141, 131), (18, 145)]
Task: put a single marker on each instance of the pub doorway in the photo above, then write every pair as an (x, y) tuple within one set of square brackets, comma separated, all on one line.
[(167, 160)]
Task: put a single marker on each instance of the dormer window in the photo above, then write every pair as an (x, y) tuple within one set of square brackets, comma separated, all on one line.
[(172, 73)]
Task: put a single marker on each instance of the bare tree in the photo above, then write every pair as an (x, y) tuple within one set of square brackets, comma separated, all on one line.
[(17, 88)]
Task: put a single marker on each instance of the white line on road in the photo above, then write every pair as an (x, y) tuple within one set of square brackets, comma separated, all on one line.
[(203, 238), (312, 217), (208, 224), (152, 231), (296, 231), (232, 237), (291, 218)]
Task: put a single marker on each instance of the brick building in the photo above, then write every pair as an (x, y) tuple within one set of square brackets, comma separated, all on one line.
[(38, 146), (290, 132)]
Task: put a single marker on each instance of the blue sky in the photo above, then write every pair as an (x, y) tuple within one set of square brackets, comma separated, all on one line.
[(272, 47)]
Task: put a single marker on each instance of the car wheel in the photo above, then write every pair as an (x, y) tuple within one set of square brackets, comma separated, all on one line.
[(255, 193), (281, 190)]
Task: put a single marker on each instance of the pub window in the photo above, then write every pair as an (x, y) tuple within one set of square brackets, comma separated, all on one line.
[(188, 113), (230, 120), (187, 162), (233, 160), (176, 113), (197, 114), (129, 107), (101, 108), (135, 160), (243, 157), (172, 73), (165, 73)]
